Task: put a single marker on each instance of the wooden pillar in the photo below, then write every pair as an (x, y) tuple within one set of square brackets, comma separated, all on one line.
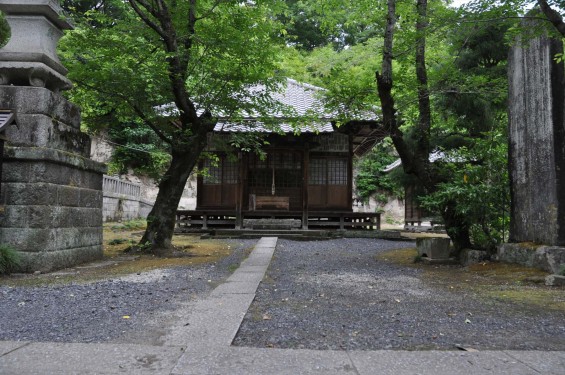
[(240, 189), (1, 161), (305, 182), (350, 174)]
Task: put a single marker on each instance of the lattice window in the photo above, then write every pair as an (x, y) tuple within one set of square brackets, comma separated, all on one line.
[(286, 167), (220, 171), (230, 170), (337, 172), (213, 172), (318, 172)]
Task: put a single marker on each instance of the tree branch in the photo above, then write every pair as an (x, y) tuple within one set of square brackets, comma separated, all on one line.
[(553, 16), (145, 18)]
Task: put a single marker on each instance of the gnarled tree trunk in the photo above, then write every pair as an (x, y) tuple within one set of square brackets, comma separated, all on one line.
[(161, 219)]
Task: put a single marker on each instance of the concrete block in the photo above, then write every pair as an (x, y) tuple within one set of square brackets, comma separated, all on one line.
[(433, 248)]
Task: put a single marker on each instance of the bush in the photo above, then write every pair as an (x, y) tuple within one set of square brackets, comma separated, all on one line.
[(9, 259)]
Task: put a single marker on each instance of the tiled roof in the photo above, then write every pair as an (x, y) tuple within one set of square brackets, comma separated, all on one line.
[(301, 98)]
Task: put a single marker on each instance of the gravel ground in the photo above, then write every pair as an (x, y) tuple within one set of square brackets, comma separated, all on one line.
[(94, 311), (336, 295), (318, 295)]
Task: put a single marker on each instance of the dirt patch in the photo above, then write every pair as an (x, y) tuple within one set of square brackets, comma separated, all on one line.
[(500, 281)]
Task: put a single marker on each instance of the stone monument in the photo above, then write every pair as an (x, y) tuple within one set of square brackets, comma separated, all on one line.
[(51, 195), (537, 154)]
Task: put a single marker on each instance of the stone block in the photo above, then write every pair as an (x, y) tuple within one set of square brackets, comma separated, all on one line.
[(520, 253), (14, 217), (37, 100), (29, 239), (433, 248), (43, 131), (90, 198), (68, 196), (69, 238), (469, 256), (29, 194), (555, 280), (53, 260), (15, 171), (549, 258)]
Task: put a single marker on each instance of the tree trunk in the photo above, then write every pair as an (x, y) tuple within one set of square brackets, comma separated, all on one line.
[(161, 220), (457, 228), (416, 161)]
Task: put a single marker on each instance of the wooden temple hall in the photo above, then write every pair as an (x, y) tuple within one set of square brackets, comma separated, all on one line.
[(303, 181)]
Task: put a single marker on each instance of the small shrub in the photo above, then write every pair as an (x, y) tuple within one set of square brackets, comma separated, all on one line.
[(118, 241), (9, 259), (561, 270)]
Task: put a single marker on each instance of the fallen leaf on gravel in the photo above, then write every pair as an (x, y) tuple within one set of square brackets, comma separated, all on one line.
[(126, 316), (467, 321), (397, 300), (266, 317), (465, 349)]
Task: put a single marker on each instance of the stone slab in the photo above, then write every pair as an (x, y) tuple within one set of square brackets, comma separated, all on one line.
[(251, 277), (8, 346), (543, 362), (235, 287), (67, 358), (387, 362), (253, 361), (214, 322)]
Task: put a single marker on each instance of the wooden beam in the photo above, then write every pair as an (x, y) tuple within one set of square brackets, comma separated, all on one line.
[(305, 182)]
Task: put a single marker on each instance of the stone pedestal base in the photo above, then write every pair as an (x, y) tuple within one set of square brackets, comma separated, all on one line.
[(52, 207), (51, 192)]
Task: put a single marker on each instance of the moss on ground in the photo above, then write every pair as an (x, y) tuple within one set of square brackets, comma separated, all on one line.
[(189, 250), (492, 280)]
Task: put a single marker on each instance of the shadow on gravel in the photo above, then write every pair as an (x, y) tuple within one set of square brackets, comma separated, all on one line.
[(366, 294)]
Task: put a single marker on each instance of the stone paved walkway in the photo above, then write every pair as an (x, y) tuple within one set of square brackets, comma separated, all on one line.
[(204, 347)]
